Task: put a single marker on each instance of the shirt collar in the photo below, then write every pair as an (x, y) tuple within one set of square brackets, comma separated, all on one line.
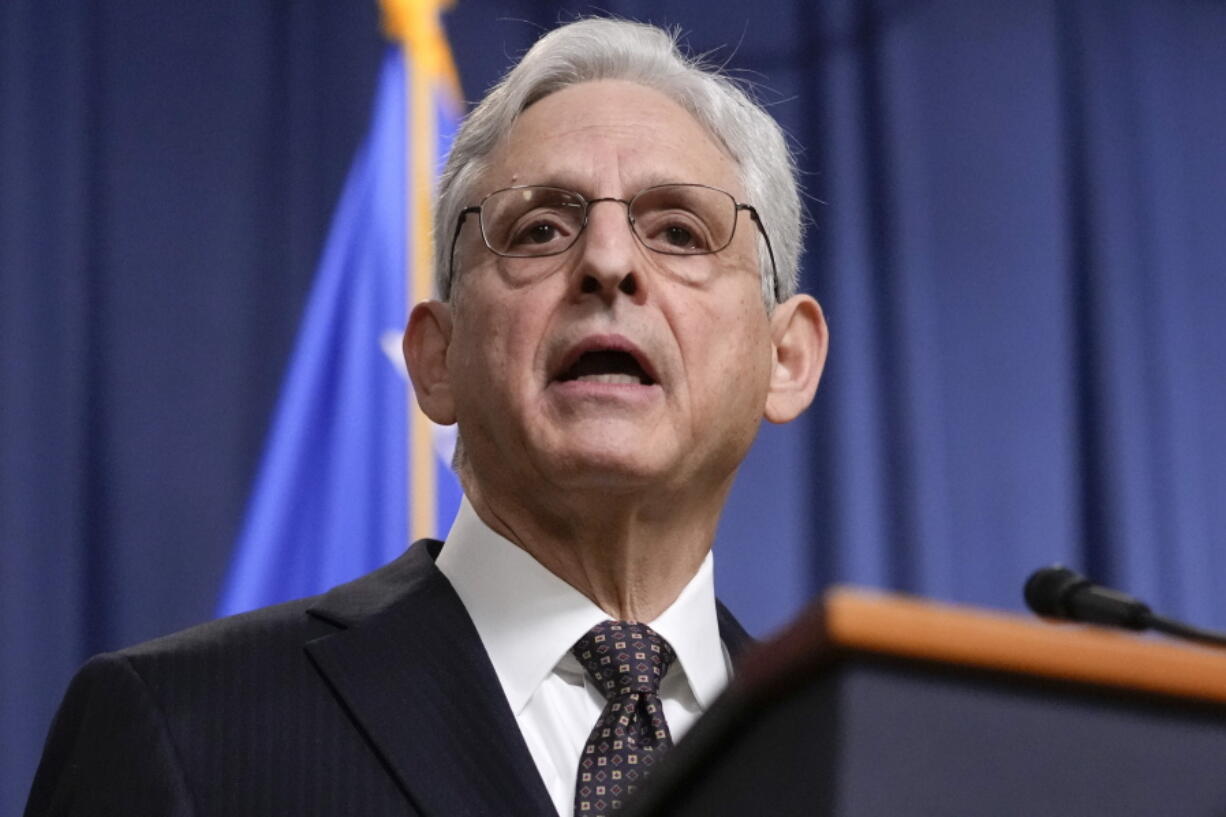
[(528, 618)]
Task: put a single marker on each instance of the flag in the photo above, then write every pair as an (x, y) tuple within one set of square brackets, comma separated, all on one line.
[(352, 471)]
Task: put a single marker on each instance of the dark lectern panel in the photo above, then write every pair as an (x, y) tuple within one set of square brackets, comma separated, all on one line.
[(933, 743), (875, 738)]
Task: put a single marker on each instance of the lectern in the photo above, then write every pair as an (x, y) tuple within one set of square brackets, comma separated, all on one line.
[(873, 705)]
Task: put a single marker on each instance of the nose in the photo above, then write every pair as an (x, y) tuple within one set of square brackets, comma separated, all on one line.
[(610, 256)]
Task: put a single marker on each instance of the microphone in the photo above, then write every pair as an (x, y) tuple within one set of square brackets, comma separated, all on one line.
[(1057, 592), (1061, 593)]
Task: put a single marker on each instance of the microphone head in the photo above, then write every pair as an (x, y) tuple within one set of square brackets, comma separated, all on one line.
[(1048, 588)]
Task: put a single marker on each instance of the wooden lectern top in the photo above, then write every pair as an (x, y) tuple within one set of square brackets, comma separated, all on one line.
[(908, 627)]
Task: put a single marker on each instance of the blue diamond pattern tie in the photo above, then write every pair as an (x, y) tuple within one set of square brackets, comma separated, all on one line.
[(627, 661)]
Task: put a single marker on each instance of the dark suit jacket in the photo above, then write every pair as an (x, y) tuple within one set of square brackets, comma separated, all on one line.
[(375, 698)]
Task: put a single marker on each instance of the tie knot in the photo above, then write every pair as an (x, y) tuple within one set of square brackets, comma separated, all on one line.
[(624, 658)]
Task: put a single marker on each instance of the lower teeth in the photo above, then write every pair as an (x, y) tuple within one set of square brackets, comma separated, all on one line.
[(627, 379)]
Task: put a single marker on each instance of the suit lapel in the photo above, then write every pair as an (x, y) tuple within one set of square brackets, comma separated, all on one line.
[(737, 641), (415, 678)]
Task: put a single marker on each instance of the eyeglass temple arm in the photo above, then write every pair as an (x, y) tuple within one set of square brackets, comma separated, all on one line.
[(455, 239), (769, 249)]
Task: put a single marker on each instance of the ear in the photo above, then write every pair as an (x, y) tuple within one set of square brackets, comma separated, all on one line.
[(800, 339), (425, 353)]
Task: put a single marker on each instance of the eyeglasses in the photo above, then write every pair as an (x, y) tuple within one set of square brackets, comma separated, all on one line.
[(533, 221)]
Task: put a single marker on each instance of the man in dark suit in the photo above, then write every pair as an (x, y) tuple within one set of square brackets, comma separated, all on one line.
[(614, 323)]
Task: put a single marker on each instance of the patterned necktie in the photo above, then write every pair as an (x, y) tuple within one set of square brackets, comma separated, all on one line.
[(627, 661)]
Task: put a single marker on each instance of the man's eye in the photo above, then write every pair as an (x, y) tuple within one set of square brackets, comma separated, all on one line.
[(536, 234), (679, 237), (674, 232)]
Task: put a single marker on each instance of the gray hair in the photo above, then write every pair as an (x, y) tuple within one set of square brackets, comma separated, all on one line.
[(596, 49)]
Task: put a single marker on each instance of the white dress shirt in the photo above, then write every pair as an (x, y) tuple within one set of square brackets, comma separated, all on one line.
[(529, 619)]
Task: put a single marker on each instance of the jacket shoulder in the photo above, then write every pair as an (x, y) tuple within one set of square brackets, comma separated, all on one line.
[(261, 629), (263, 633)]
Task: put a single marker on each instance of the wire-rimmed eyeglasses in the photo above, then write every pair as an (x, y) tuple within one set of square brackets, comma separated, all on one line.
[(535, 221)]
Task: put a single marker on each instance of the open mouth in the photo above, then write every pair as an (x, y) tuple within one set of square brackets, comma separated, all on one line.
[(607, 366)]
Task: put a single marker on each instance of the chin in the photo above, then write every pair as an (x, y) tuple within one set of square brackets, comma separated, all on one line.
[(618, 469)]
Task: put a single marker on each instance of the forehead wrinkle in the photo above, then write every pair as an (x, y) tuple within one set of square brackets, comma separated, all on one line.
[(536, 163), (581, 182)]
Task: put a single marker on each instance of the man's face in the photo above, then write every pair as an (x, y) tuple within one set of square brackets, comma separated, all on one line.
[(607, 370)]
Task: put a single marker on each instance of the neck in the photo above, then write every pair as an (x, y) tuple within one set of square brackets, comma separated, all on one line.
[(631, 557)]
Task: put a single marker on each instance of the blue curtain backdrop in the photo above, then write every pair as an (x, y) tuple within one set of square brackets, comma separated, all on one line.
[(1016, 232)]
